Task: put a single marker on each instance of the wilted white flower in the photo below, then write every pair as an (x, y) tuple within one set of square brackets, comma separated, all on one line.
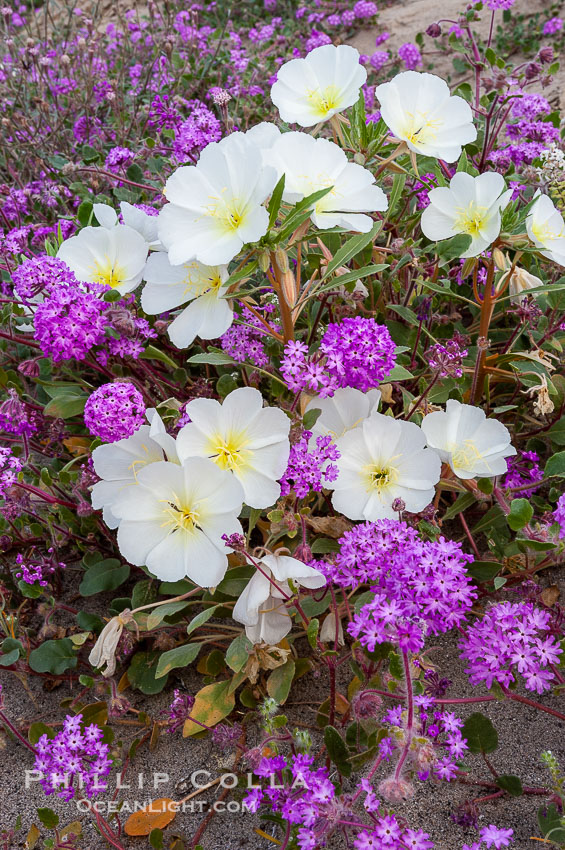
[(208, 315), (418, 108), (104, 650), (383, 460), (311, 164), (471, 205), (546, 229), (325, 82), (173, 520), (243, 437), (261, 607), (471, 444), (216, 206), (521, 281)]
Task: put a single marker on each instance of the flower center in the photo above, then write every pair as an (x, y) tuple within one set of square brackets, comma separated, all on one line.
[(229, 452), (544, 233), (420, 129), (465, 455), (471, 219), (324, 100), (231, 213), (196, 285), (179, 515), (108, 274), (380, 478)]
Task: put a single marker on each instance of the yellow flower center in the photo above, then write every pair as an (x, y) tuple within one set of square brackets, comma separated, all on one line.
[(196, 284), (324, 100), (543, 232), (230, 452), (108, 274), (471, 219), (179, 515), (230, 212), (380, 478), (465, 455), (419, 129)]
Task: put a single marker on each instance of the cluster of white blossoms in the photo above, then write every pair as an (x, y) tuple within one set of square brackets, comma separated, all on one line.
[(171, 500)]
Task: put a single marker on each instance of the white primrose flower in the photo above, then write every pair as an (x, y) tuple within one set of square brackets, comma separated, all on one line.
[(117, 464), (471, 444), (208, 315), (261, 607), (216, 206), (418, 109), (139, 220), (346, 409), (313, 89), (264, 135), (471, 205), (173, 520), (546, 229), (243, 437), (114, 256), (383, 460), (311, 164), (521, 281)]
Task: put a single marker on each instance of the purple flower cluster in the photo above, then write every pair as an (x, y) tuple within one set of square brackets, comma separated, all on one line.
[(365, 9), (552, 26), (114, 411), (501, 5), (119, 159), (245, 340), (512, 637), (419, 586), (199, 129), (559, 516), (18, 418), (358, 352), (522, 470), (40, 274), (491, 836), (179, 710), (74, 755), (423, 187), (310, 465), (37, 569), (447, 359), (410, 54), (71, 321), (10, 465)]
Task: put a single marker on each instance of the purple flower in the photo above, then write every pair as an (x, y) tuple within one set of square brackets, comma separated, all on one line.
[(365, 9), (494, 837), (552, 26), (74, 757), (70, 322), (523, 469), (40, 274), (410, 54), (559, 516), (119, 159), (310, 467), (114, 411)]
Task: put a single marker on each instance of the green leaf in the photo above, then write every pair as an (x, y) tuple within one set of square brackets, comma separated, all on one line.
[(142, 673), (66, 403), (399, 373), (156, 839), (275, 202), (36, 730), (84, 213), (557, 432), (213, 358), (144, 593), (211, 704), (181, 656), (396, 193), (450, 249), (510, 783), (48, 818), (483, 570), (520, 514), (153, 353), (158, 614), (480, 733), (352, 247), (555, 466), (551, 824), (201, 618), (311, 417), (9, 658), (462, 502), (90, 622), (238, 652), (103, 576), (337, 750), (53, 656), (280, 681)]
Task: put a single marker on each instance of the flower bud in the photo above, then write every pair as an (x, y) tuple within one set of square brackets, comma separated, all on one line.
[(29, 368), (546, 55), (288, 284), (499, 259), (434, 30), (281, 259)]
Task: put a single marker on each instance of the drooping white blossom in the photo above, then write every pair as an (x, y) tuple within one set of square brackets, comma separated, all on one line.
[(419, 109), (173, 519), (207, 315), (381, 461), (311, 90), (261, 607), (216, 206), (471, 444), (311, 164), (243, 437), (470, 205)]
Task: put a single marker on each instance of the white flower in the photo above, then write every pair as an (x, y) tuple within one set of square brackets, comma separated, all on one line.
[(546, 229), (142, 222), (261, 607), (117, 464), (470, 443), (383, 460), (470, 205), (173, 520), (242, 436), (264, 135), (311, 90), (104, 650), (112, 256), (346, 409), (520, 282), (216, 206), (311, 164), (419, 110), (208, 315)]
